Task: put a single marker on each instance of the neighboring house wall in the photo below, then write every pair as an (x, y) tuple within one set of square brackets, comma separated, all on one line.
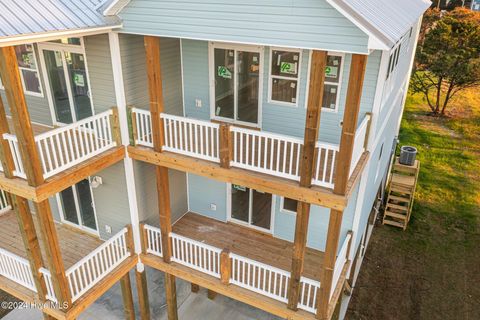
[(298, 23), (277, 118)]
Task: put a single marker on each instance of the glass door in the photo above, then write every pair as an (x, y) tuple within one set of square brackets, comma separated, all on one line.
[(236, 85), (77, 206), (251, 207), (67, 80)]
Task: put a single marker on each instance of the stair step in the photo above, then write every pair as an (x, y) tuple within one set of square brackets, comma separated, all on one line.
[(397, 198), (396, 206), (394, 223), (395, 215), (400, 188)]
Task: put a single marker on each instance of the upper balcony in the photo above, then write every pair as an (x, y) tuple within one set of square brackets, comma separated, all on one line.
[(252, 150)]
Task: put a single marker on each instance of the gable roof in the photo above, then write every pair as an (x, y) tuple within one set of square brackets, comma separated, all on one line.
[(34, 19), (386, 20)]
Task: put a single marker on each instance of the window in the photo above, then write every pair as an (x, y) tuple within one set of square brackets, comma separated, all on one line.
[(288, 205), (284, 76), (74, 41), (27, 65), (393, 61), (331, 88)]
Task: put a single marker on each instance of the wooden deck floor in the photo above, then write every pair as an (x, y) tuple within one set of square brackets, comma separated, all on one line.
[(74, 245), (246, 242)]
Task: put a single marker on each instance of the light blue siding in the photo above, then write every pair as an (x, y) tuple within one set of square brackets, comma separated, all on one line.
[(203, 192), (276, 118), (293, 23)]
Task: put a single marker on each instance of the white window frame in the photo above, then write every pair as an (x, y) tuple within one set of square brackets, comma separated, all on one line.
[(282, 209), (211, 75), (250, 207), (36, 70), (73, 48), (339, 84), (270, 77)]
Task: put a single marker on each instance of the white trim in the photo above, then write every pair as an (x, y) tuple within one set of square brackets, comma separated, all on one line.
[(52, 35), (71, 48), (118, 82), (182, 77), (282, 209), (297, 78), (211, 75), (250, 210), (339, 84)]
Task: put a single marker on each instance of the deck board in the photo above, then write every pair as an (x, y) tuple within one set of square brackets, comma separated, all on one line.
[(247, 242), (74, 245)]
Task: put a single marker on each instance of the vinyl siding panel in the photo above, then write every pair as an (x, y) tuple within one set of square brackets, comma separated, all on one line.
[(276, 118), (203, 192), (297, 23), (135, 72), (99, 64)]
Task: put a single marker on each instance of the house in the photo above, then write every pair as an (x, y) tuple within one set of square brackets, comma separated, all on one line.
[(242, 147)]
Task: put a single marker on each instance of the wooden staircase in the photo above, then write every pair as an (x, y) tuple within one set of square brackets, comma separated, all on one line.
[(401, 193)]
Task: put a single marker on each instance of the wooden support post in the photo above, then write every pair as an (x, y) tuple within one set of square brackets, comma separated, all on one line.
[(225, 266), (115, 125), (312, 125), (155, 91), (143, 301), (195, 287), (133, 120), (129, 240), (211, 294), (143, 238), (127, 297), (31, 162), (342, 171), (225, 145)]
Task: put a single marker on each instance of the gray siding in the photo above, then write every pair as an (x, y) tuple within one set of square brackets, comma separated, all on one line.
[(275, 117), (100, 72), (135, 72), (145, 182), (297, 23)]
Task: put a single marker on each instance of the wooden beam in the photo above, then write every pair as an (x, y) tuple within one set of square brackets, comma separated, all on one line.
[(33, 169), (6, 156), (225, 145), (235, 292), (194, 287), (155, 89), (258, 181), (143, 301), (211, 294), (225, 266), (127, 297), (307, 165)]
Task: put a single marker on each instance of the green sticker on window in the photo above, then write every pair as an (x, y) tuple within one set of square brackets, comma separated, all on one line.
[(288, 67), (331, 72), (79, 80), (239, 188), (224, 72)]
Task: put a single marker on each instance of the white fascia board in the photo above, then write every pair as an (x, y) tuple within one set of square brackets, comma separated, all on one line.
[(112, 8)]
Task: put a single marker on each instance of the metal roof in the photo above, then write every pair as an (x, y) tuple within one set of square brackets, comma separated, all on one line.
[(387, 20), (23, 18)]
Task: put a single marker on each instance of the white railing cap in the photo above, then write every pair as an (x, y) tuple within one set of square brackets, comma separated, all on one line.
[(201, 244), (267, 134), (260, 264)]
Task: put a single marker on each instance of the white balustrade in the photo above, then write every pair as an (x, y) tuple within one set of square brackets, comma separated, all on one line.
[(17, 269), (18, 171), (260, 278), (266, 152), (49, 285), (195, 138), (196, 255), (325, 164), (342, 259), (359, 142), (87, 272), (154, 240), (143, 127), (64, 147), (4, 205), (308, 294), (67, 146)]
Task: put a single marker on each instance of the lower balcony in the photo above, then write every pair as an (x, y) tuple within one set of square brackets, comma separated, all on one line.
[(89, 262), (245, 264)]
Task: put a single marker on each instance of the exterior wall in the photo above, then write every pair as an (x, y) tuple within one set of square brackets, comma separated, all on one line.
[(135, 72), (300, 23), (203, 192), (275, 117)]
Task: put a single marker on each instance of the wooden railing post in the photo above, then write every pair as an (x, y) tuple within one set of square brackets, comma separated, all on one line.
[(115, 125), (225, 266), (133, 121), (225, 145), (129, 240), (143, 238), (349, 247), (367, 132)]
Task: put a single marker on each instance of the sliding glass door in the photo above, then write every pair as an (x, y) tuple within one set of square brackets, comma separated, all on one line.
[(236, 84), (251, 207)]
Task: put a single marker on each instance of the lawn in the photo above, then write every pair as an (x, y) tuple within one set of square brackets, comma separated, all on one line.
[(431, 270)]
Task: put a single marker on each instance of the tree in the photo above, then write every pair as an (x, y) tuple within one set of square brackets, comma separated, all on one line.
[(448, 58)]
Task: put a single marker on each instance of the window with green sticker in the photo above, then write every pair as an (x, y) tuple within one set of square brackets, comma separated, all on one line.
[(27, 65), (284, 76), (331, 87)]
